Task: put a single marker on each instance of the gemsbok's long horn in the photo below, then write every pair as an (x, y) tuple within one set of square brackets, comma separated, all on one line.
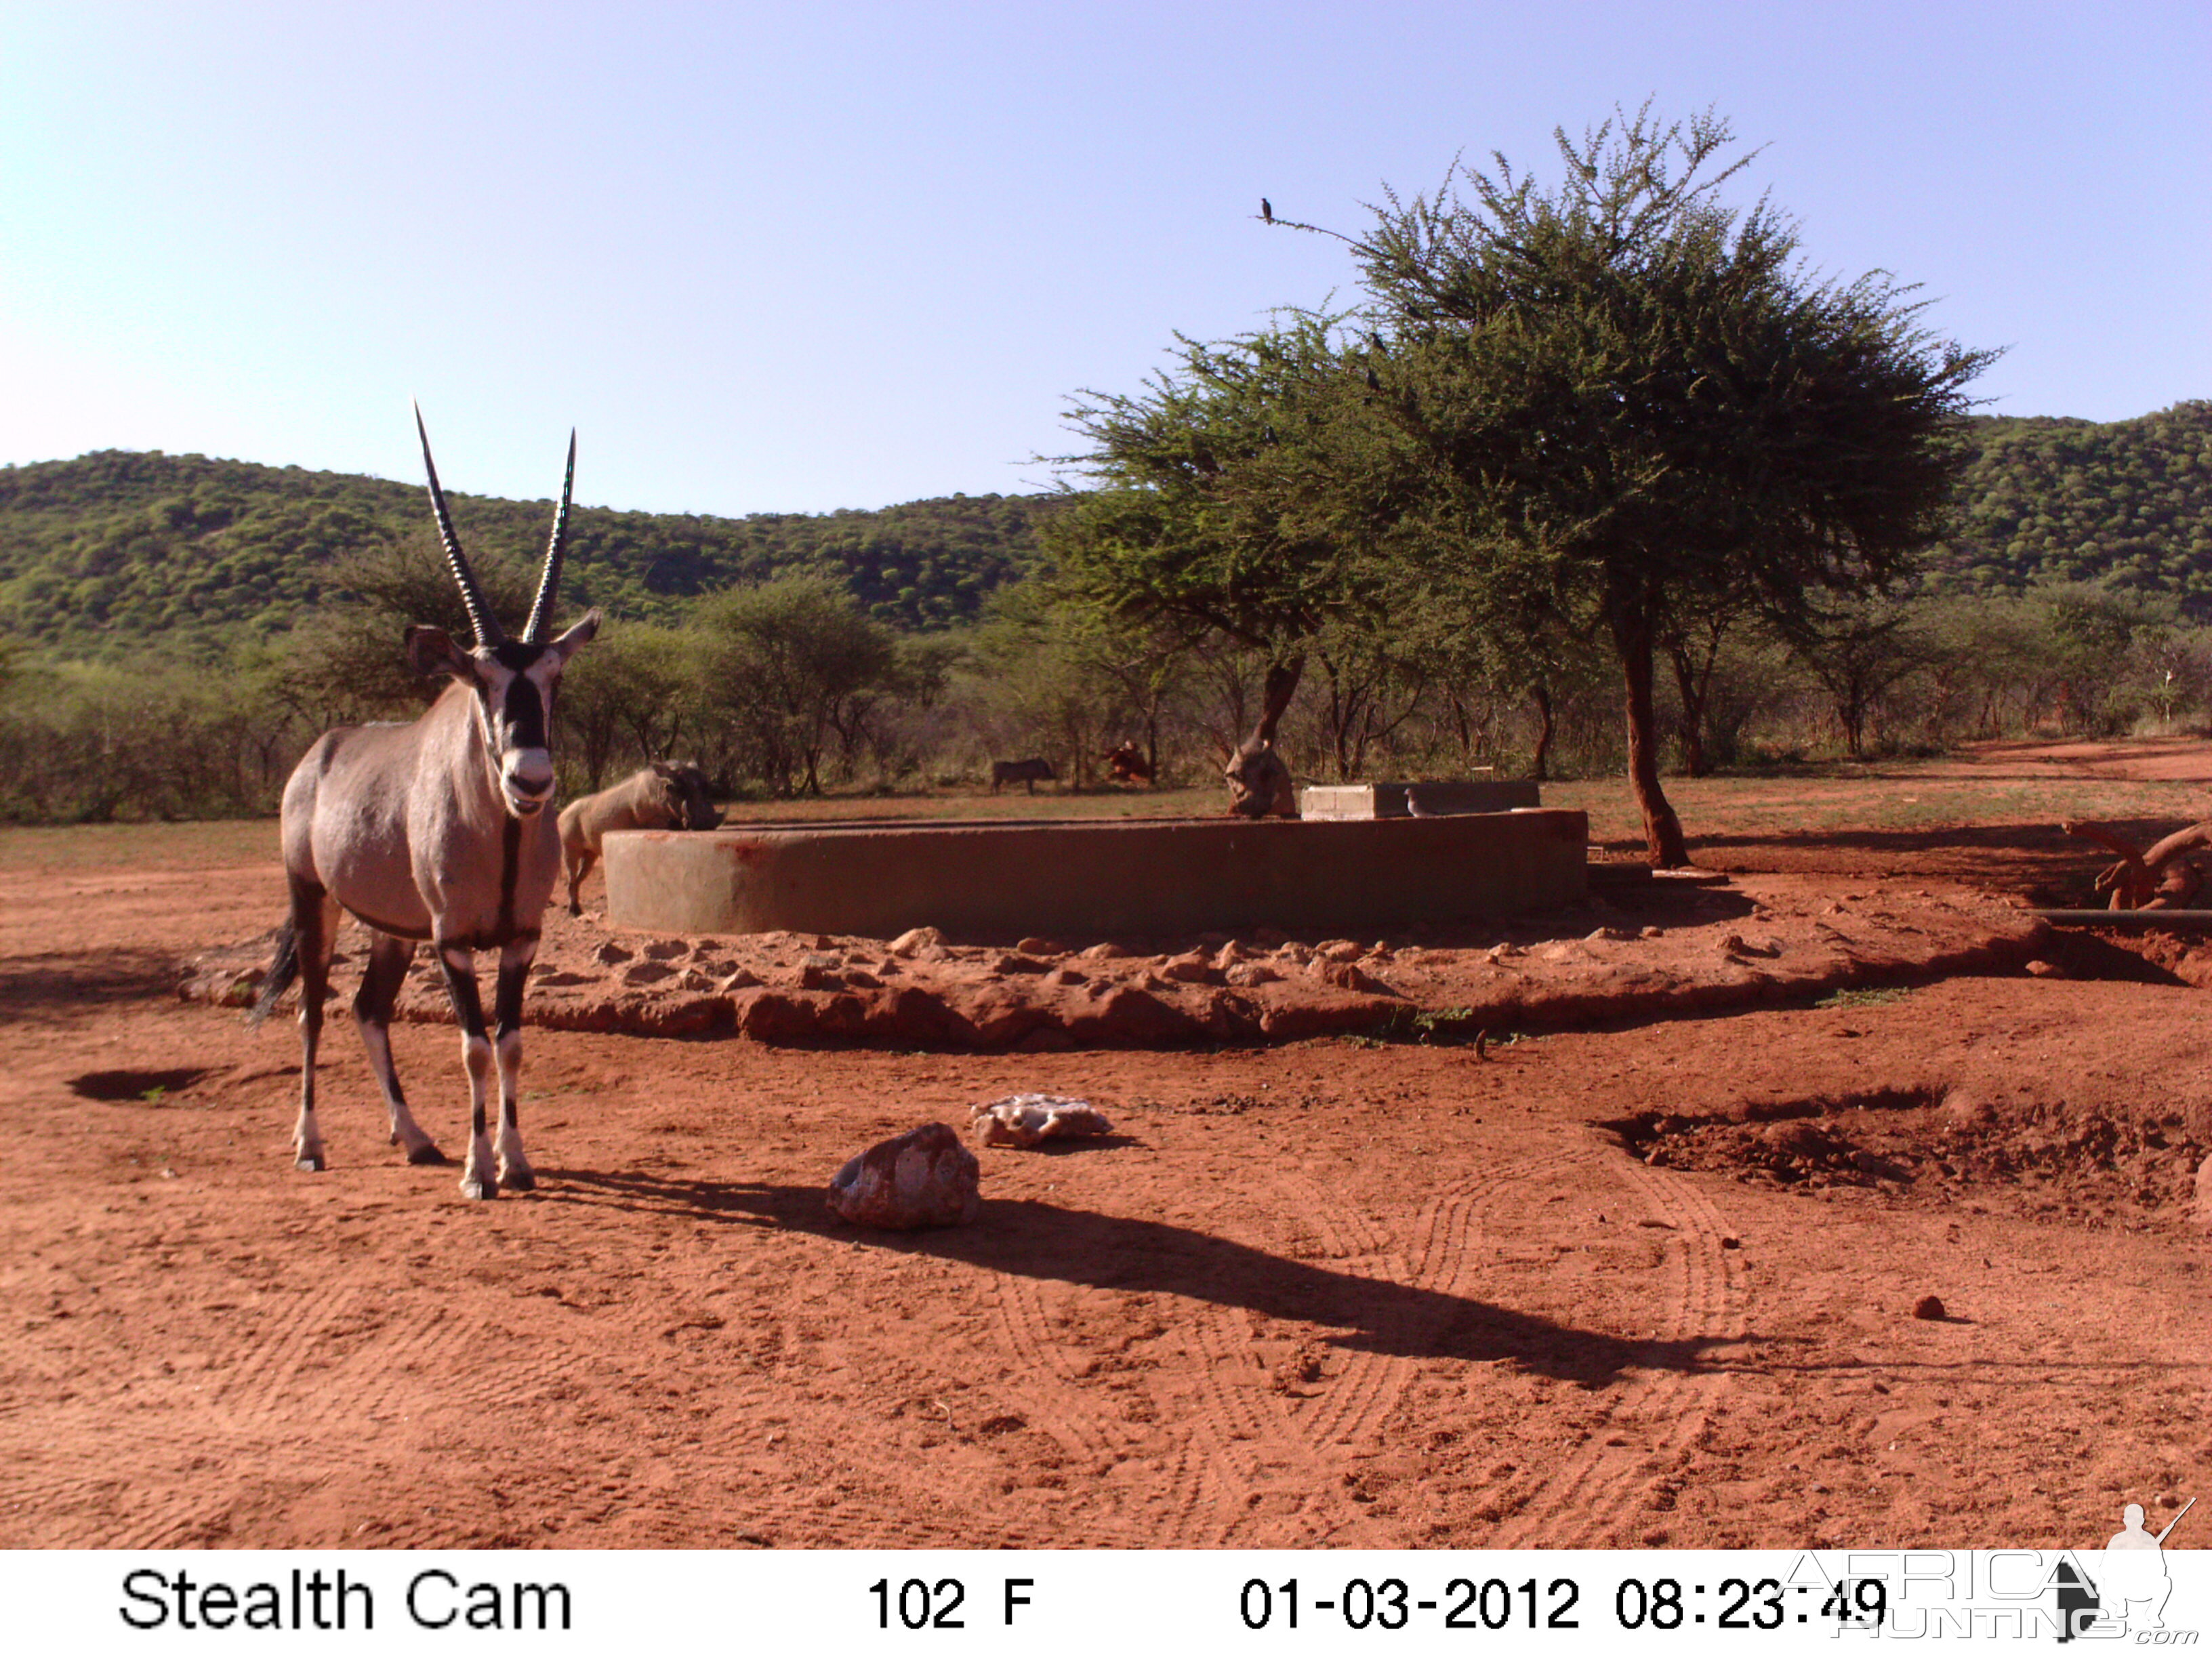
[(484, 619), (541, 608)]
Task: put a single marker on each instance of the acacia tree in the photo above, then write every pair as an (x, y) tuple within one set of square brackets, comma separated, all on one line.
[(349, 663), (1860, 649), (1692, 641), (1222, 505), (785, 663), (638, 681), (1148, 662), (1635, 388), (1042, 681)]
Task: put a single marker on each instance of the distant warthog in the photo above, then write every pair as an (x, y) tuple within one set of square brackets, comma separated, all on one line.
[(1259, 782), (664, 796), (1127, 763), (1022, 771)]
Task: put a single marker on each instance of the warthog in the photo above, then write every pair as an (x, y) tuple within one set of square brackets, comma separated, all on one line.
[(1022, 771), (664, 796), (1259, 782), (1127, 763)]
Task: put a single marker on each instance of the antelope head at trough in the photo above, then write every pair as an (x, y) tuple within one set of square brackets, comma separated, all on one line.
[(435, 832)]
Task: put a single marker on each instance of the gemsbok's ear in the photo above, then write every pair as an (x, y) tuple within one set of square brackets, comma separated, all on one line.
[(432, 651), (577, 637)]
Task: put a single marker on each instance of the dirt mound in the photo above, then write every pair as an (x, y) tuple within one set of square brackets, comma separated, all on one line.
[(1646, 950), (1934, 1146)]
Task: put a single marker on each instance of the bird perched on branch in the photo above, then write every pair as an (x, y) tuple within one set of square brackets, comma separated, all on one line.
[(1266, 211)]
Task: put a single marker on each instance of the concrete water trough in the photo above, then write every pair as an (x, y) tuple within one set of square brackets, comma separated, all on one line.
[(1089, 878), (1450, 797)]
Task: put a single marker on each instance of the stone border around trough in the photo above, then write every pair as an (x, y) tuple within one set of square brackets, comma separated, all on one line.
[(1753, 941)]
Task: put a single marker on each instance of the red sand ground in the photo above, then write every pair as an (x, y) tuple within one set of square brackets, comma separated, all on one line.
[(1647, 1283)]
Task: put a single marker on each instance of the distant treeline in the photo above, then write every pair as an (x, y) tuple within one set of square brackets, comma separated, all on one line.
[(99, 554), (2128, 503), (177, 630)]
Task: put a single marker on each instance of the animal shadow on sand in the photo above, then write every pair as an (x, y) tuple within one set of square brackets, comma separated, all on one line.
[(1082, 1246)]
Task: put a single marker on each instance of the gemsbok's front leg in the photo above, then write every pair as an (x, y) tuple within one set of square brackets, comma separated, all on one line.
[(459, 964), (315, 938), (515, 1171), (380, 984)]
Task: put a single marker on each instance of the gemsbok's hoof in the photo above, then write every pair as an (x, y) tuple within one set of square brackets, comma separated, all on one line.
[(520, 1179), (309, 1163), (478, 1187)]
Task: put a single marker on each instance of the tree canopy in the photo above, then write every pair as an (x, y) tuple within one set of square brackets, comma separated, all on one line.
[(1230, 498), (1629, 385)]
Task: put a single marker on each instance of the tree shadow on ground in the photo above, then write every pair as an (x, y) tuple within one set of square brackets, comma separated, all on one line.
[(1678, 903), (2019, 856), (61, 989), (1082, 1246)]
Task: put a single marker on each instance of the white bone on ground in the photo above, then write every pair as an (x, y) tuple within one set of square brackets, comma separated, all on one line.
[(1026, 1120)]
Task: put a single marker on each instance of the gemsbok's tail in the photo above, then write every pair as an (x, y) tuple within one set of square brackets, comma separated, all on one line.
[(281, 972)]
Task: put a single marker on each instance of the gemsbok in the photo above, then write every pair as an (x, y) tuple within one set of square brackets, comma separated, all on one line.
[(437, 829)]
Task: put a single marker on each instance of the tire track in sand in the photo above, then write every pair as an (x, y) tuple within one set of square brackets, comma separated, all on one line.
[(1584, 1502), (1438, 1253), (240, 1422), (1091, 1436), (1255, 1438), (247, 1397), (236, 1416)]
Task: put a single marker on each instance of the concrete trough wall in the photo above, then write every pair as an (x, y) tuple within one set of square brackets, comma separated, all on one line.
[(1089, 879)]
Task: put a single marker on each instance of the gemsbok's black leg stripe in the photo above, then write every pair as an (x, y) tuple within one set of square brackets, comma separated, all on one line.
[(510, 860)]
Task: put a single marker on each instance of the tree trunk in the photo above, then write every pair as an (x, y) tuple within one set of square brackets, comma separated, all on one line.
[(1695, 683), (1282, 685), (1350, 714), (1545, 726), (1850, 715), (1662, 830)]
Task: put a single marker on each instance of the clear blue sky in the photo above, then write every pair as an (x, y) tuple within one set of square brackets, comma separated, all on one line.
[(791, 259)]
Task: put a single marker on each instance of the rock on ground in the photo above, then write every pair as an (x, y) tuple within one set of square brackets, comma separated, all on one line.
[(923, 1178)]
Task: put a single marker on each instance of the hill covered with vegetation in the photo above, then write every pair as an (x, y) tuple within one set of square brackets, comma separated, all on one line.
[(100, 553), (105, 551), (2129, 502)]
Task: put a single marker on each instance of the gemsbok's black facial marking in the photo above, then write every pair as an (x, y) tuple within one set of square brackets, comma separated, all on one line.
[(514, 714), (525, 714)]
